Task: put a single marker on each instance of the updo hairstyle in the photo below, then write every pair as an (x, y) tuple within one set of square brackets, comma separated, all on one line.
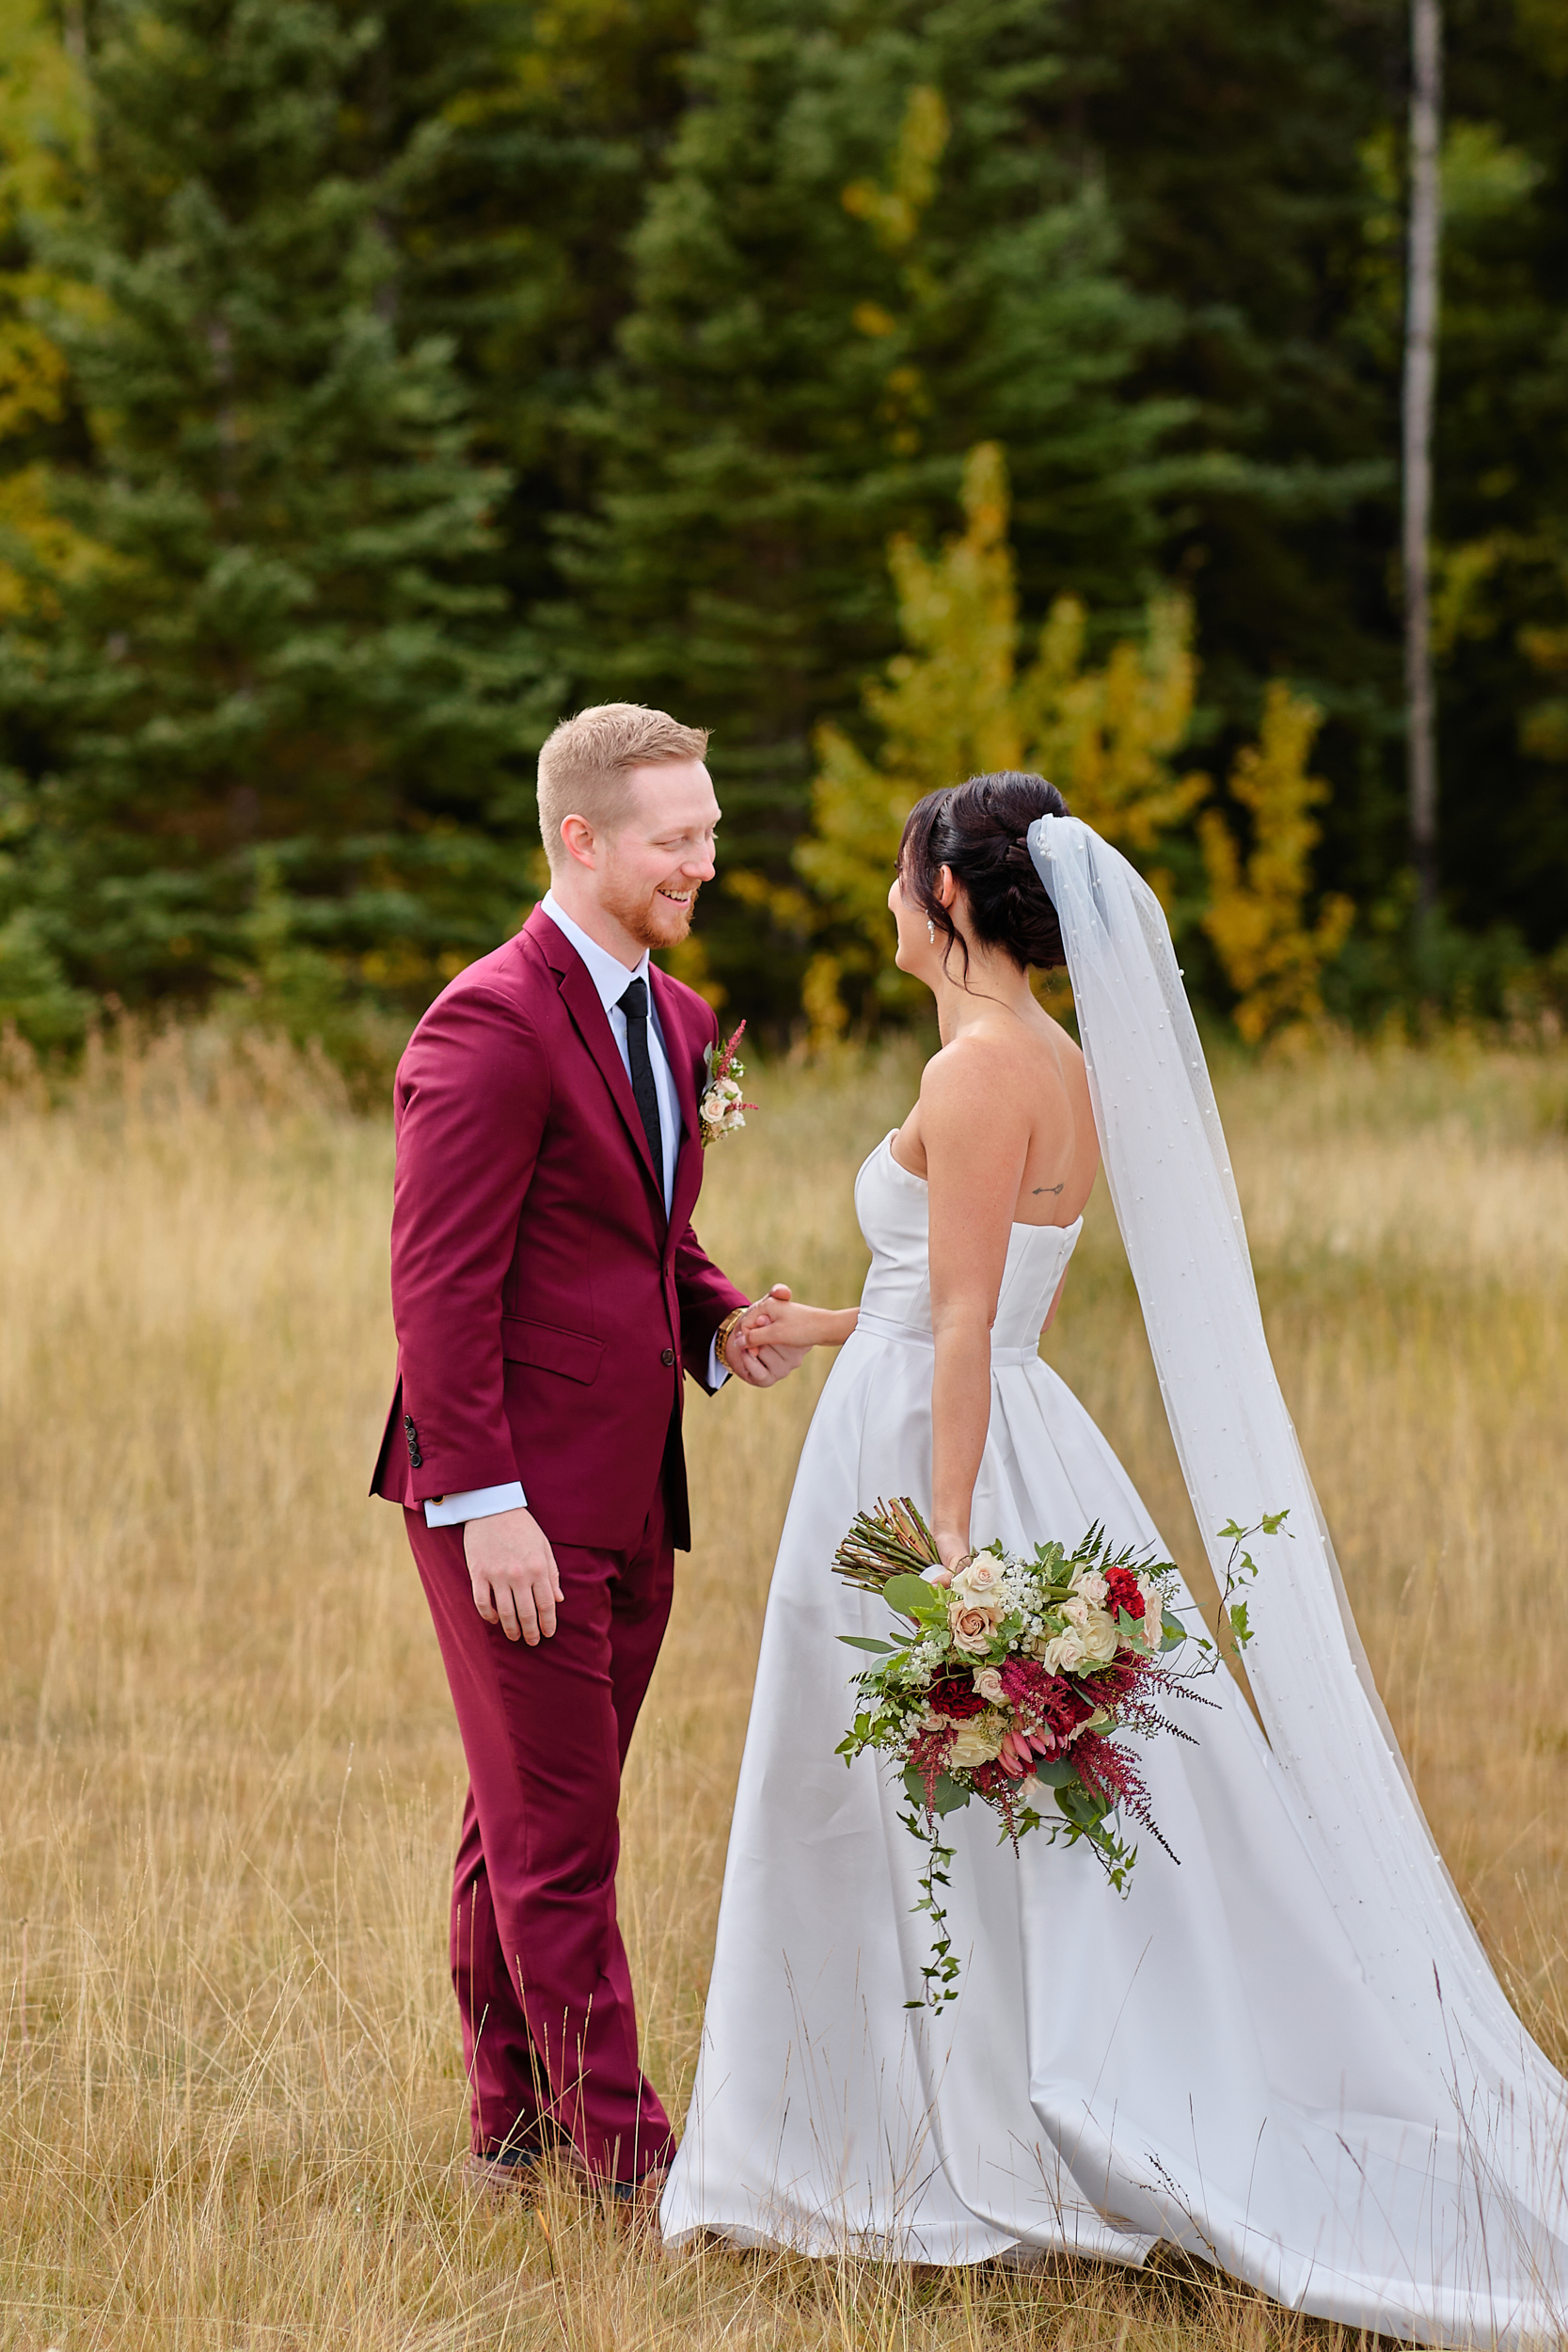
[(978, 829)]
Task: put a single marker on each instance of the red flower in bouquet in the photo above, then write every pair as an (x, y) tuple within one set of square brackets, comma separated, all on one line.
[(955, 1694), (1121, 1592)]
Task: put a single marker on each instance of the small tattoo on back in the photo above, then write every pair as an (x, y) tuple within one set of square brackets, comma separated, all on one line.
[(1061, 1187)]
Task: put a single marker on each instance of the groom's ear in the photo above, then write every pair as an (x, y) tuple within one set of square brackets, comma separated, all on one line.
[(578, 840)]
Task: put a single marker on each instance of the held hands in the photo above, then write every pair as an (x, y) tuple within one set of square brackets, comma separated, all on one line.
[(780, 1330), (776, 1324), (756, 1351), (511, 1568)]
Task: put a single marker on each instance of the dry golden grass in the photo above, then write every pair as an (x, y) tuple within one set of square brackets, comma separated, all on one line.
[(231, 2094)]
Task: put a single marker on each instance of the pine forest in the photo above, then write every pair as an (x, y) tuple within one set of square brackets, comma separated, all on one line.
[(897, 388)]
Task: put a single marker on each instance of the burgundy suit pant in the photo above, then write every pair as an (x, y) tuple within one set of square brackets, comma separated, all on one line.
[(549, 2030)]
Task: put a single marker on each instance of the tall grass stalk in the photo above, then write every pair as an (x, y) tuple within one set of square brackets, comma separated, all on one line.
[(231, 2106)]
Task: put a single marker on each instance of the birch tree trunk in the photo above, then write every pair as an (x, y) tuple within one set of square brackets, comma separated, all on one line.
[(1420, 378)]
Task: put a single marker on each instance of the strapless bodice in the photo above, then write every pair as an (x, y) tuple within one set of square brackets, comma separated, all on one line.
[(891, 1205)]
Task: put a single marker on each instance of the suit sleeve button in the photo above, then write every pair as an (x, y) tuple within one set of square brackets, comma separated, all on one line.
[(668, 1357)]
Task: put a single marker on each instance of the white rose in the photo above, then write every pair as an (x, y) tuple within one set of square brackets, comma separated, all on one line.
[(988, 1684), (713, 1108), (1153, 1613), (977, 1742), (1092, 1587)]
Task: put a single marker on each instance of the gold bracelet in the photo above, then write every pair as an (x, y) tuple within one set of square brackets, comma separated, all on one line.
[(721, 1338)]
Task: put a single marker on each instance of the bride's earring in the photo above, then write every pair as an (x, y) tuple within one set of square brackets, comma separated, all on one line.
[(930, 931)]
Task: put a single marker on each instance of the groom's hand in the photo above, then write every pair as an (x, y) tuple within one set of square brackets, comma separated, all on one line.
[(513, 1571), (749, 1355)]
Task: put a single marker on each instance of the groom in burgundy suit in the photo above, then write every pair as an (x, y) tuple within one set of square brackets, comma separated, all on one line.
[(549, 1296)]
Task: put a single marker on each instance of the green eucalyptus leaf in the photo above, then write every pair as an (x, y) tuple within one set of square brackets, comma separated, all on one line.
[(912, 1597), (949, 1795), (1080, 1807), (864, 1641)]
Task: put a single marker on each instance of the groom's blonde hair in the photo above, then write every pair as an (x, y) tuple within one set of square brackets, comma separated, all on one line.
[(585, 766)]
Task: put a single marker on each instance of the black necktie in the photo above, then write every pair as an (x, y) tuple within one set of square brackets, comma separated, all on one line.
[(634, 1004)]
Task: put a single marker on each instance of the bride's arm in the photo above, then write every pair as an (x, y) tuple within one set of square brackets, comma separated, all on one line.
[(772, 1323), (975, 1143)]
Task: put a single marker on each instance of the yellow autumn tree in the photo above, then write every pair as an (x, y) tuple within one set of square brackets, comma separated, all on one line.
[(955, 704), (43, 134), (1272, 955)]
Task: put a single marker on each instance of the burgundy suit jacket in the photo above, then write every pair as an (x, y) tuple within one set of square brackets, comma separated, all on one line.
[(545, 1306)]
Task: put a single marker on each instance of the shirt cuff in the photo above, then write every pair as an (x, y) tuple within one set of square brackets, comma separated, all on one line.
[(478, 1502), (716, 1373)]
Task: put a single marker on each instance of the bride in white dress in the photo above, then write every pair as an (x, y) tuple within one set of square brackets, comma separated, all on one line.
[(1285, 2053)]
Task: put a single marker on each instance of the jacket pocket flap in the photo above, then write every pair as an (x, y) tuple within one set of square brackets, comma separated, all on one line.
[(540, 1343)]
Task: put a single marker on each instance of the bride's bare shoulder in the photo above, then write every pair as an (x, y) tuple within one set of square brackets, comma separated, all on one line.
[(980, 1068), (989, 1051)]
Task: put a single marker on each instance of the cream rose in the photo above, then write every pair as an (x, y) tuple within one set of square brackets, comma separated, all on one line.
[(1062, 1654), (721, 1104), (988, 1684), (1093, 1588), (980, 1579), (971, 1628), (977, 1742), (1100, 1638), (1153, 1624), (1096, 1631)]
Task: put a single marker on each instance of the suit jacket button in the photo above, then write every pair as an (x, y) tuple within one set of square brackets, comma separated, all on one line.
[(668, 1357)]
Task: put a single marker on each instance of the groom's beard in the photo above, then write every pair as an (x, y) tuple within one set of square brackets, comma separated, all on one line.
[(653, 921)]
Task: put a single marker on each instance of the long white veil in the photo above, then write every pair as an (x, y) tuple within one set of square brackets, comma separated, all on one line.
[(1169, 1176)]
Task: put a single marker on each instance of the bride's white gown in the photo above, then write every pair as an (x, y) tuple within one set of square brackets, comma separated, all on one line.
[(1209, 2063)]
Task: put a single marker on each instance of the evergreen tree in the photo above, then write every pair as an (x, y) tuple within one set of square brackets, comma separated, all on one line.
[(283, 707), (1501, 465), (867, 253), (1237, 147), (1255, 160), (539, 131)]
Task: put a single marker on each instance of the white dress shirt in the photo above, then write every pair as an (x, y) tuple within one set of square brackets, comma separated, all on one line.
[(611, 977)]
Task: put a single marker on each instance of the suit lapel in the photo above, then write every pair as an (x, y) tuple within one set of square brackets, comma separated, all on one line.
[(682, 1057), (583, 1002)]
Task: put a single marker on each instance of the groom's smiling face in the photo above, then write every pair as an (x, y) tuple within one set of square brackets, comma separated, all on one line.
[(649, 869)]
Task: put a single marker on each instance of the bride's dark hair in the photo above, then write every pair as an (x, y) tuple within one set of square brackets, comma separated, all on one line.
[(978, 829)]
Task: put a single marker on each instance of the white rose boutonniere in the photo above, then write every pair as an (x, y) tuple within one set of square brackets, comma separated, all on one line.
[(721, 1110)]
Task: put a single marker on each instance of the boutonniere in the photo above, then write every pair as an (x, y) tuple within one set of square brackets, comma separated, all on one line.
[(721, 1110)]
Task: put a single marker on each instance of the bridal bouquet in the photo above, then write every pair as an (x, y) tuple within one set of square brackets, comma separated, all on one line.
[(1009, 1683)]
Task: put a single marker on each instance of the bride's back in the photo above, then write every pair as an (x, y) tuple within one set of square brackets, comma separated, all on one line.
[(1010, 1077)]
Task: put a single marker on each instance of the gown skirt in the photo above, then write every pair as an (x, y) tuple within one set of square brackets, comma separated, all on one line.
[(1201, 2062)]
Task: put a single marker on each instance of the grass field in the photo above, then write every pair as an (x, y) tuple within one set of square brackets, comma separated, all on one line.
[(231, 2094)]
